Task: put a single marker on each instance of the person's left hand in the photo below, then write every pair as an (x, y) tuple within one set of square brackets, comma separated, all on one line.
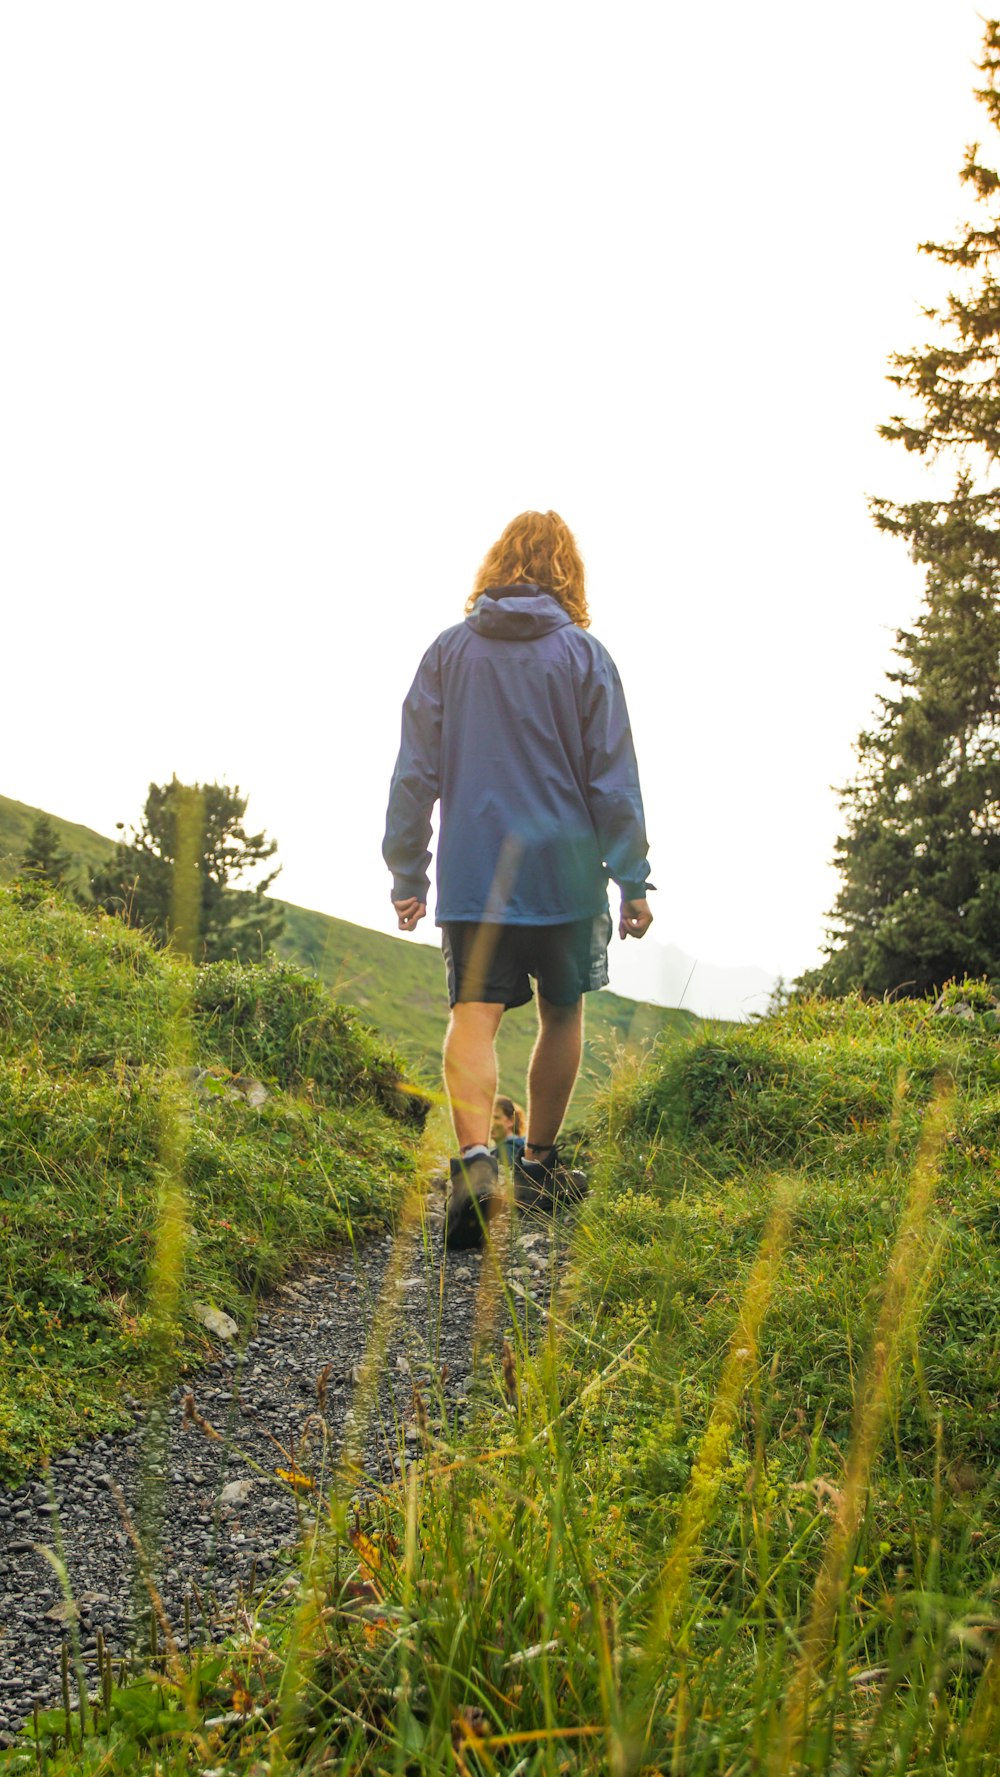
[(409, 912), (636, 919)]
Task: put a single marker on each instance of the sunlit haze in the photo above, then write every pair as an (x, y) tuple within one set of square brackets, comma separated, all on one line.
[(302, 304)]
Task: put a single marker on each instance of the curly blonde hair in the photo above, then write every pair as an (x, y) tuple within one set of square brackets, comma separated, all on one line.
[(540, 547)]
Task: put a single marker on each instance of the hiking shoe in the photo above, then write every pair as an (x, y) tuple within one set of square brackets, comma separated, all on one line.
[(547, 1184), (476, 1196)]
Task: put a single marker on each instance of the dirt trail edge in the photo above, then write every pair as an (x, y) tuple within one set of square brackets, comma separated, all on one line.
[(225, 1518)]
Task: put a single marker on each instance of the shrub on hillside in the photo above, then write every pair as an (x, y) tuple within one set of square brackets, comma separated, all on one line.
[(274, 1020), (823, 1081), (80, 990)]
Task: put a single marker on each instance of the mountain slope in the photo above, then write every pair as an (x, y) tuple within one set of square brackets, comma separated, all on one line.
[(398, 984), (16, 822)]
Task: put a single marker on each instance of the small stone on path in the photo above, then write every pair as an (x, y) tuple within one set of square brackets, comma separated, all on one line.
[(215, 1321)]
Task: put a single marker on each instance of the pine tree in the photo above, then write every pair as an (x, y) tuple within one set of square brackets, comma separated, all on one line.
[(920, 853), (43, 859), (139, 882)]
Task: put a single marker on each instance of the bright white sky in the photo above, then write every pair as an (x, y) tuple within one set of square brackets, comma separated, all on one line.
[(303, 303)]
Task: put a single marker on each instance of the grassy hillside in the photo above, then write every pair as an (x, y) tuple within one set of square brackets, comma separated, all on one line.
[(16, 822), (126, 1115), (738, 1514), (397, 983)]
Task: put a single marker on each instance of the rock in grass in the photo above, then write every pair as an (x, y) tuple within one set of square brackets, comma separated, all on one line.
[(215, 1321), (235, 1492), (63, 1612)]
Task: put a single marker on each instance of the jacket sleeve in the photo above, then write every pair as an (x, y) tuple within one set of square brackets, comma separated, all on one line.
[(415, 785), (613, 793)]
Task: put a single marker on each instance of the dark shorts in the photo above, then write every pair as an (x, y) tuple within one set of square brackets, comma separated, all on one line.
[(493, 963)]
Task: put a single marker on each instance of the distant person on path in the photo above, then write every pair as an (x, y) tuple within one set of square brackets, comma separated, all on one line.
[(507, 1129), (516, 722)]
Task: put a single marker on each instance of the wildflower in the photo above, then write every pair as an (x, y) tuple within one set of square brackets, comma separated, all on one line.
[(295, 1478)]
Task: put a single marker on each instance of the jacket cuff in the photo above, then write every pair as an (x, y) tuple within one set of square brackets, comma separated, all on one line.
[(636, 891), (405, 888)]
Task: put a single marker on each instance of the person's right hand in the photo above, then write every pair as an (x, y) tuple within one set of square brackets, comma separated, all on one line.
[(636, 919), (409, 912)]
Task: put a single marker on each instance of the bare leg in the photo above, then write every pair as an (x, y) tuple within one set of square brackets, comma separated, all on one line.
[(555, 1063), (470, 1069)]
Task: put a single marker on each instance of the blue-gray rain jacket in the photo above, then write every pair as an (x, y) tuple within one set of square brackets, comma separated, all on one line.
[(517, 722)]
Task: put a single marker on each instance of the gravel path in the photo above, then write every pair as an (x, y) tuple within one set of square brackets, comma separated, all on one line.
[(224, 1522)]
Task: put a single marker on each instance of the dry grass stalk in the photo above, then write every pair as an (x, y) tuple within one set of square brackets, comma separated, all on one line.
[(906, 1279), (191, 1416), (702, 1489), (156, 1602)]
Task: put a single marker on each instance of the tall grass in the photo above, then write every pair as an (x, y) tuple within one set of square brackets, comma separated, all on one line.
[(720, 1519), (730, 1509)]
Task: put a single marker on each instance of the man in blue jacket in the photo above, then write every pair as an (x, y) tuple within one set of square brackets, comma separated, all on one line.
[(516, 722)]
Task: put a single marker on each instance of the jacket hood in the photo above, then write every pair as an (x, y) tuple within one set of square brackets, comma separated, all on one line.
[(517, 612)]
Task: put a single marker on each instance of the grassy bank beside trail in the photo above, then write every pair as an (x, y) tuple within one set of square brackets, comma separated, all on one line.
[(741, 1515), (738, 1513), (167, 1136)]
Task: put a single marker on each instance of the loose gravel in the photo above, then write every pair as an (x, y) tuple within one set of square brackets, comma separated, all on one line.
[(225, 1524)]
